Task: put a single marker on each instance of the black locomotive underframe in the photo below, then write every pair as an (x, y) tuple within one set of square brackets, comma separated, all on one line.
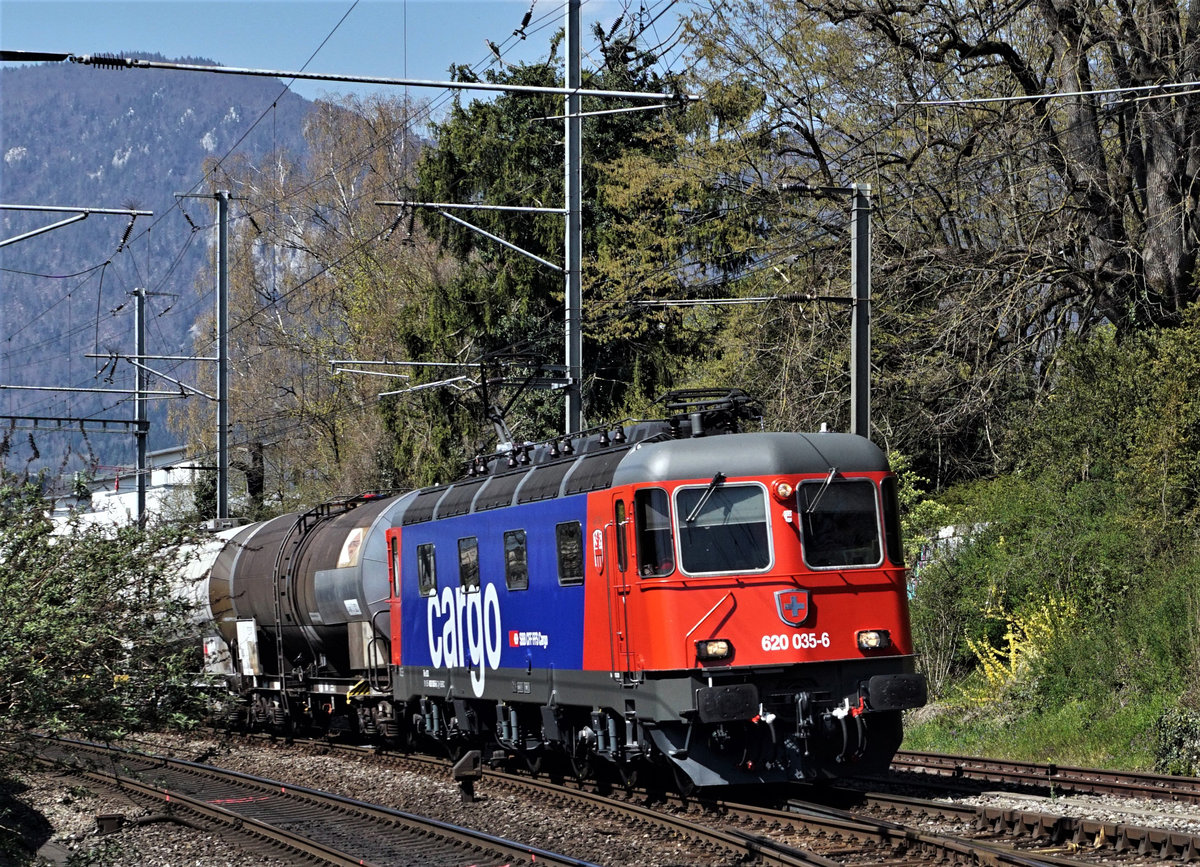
[(705, 727)]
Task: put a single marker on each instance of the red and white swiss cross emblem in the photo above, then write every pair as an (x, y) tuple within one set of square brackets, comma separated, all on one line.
[(792, 606)]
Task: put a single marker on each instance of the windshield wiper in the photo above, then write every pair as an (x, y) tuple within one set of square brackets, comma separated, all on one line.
[(712, 486), (812, 507)]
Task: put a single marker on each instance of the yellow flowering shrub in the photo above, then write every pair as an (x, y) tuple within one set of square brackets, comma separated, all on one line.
[(1027, 636)]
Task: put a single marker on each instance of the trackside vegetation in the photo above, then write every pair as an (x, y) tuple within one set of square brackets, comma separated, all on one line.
[(93, 637), (1062, 623)]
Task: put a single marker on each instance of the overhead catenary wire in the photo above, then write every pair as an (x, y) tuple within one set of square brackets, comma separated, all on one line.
[(1167, 90), (126, 237), (307, 279)]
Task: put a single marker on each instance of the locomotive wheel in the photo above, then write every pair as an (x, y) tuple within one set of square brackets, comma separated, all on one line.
[(628, 776), (582, 768), (558, 768), (683, 783), (533, 762)]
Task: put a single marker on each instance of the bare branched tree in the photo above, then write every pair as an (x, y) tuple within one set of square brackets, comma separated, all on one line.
[(1001, 226)]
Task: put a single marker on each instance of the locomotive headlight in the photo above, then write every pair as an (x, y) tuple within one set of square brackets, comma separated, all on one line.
[(782, 490), (714, 648), (874, 639)]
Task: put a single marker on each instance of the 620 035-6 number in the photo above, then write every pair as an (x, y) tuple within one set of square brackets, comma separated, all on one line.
[(795, 641)]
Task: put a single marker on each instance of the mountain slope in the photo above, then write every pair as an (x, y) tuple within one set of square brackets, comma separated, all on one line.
[(82, 137)]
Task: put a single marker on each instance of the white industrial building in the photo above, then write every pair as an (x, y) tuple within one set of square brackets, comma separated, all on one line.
[(111, 495)]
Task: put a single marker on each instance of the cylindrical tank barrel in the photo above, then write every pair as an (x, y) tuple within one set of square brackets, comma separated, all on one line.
[(304, 579)]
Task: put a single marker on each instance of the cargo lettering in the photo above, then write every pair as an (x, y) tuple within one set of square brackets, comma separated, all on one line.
[(464, 631)]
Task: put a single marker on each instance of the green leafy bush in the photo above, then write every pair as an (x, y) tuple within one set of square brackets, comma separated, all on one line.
[(1177, 742), (95, 637), (1099, 509)]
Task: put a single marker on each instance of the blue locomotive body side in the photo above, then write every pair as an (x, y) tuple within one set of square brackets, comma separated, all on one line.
[(535, 623)]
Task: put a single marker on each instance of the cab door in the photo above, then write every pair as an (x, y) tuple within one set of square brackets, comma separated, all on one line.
[(393, 550), (618, 585)]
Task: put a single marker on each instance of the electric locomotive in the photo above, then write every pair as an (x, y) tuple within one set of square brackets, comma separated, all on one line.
[(674, 598)]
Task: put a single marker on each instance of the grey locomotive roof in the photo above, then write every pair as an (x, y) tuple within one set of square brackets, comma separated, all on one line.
[(749, 454), (650, 460)]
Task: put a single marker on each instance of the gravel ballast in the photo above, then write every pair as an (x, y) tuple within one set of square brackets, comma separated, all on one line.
[(69, 811)]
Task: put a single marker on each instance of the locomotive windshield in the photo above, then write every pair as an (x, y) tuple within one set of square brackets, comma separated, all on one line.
[(727, 530), (840, 523)]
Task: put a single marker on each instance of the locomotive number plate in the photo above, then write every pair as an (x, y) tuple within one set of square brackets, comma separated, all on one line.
[(795, 641)]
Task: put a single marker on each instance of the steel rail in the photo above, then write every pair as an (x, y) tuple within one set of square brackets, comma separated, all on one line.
[(736, 843), (821, 819), (953, 772), (1058, 777), (824, 822), (262, 806)]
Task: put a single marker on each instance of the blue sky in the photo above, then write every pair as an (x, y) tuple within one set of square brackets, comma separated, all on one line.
[(379, 38)]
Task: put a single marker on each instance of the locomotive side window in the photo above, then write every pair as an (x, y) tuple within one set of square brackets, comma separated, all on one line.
[(468, 563), (652, 520), (840, 523), (516, 562), (569, 538), (725, 529), (622, 545), (891, 521), (394, 558), (426, 570)]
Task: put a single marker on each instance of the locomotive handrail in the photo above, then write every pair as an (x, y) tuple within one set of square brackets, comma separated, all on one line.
[(710, 613), (610, 572), (378, 636)]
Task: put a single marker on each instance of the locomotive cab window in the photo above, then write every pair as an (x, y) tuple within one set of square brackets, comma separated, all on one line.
[(839, 523), (652, 520), (516, 562), (723, 528), (426, 570), (468, 563), (569, 542), (891, 521)]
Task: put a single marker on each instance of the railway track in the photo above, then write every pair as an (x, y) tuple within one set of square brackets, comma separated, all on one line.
[(879, 826), (1085, 839), (1051, 776), (846, 838), (271, 816), (846, 827), (800, 833)]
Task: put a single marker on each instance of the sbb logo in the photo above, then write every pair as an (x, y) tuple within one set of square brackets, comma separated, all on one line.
[(464, 630), (516, 638)]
